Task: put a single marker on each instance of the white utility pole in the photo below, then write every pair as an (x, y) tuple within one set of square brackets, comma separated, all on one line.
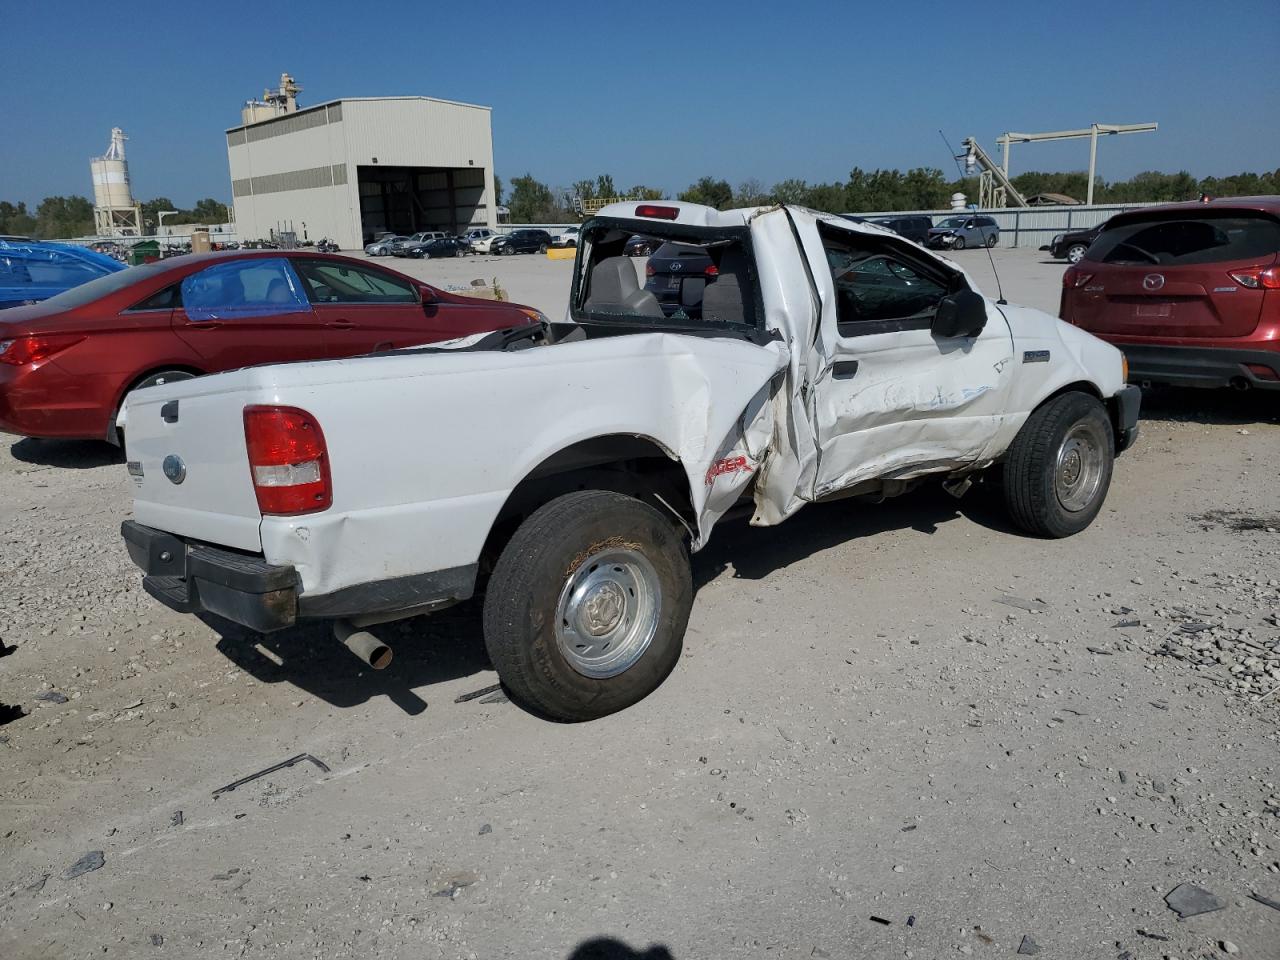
[(1093, 132)]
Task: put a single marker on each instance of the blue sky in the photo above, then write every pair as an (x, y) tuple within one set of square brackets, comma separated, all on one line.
[(654, 93)]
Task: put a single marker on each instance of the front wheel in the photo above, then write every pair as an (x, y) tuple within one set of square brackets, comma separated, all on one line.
[(586, 610), (1075, 252), (959, 244), (542, 248), (1058, 468)]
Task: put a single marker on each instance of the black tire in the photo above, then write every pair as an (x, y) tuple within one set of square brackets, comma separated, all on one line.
[(1075, 252), (542, 248), (457, 252), (1036, 489), (508, 251), (959, 244), (551, 549), (993, 239)]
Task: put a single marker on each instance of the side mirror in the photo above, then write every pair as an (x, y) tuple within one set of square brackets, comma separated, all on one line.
[(961, 314), (427, 294)]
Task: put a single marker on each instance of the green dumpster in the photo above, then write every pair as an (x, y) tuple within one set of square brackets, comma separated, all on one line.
[(145, 251)]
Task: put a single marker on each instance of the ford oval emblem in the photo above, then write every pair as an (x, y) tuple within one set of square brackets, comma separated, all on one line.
[(1153, 281), (174, 468)]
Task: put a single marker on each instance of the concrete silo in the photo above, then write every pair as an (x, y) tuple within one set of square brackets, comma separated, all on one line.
[(115, 212)]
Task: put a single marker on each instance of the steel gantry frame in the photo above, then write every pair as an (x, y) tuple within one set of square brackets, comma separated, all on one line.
[(1093, 131)]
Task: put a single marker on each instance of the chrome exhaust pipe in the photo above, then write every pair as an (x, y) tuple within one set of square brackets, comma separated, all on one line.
[(363, 644)]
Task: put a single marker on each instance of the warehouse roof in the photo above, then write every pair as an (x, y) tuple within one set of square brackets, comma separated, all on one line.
[(328, 103)]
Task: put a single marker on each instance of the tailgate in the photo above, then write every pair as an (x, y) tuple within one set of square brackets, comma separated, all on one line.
[(1181, 301), (200, 425)]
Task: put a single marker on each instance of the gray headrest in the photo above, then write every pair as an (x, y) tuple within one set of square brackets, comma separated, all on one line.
[(724, 298), (613, 280)]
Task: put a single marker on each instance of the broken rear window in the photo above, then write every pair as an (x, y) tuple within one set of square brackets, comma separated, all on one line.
[(704, 277)]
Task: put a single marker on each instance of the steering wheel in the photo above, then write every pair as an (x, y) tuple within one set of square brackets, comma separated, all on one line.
[(1136, 249)]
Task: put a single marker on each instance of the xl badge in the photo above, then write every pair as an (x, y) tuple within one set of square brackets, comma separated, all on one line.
[(174, 468), (1035, 356)]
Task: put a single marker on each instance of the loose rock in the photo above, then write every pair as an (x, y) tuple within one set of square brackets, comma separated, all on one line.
[(1188, 900), (93, 860)]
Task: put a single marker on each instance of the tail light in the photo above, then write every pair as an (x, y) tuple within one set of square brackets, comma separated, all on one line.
[(1073, 278), (24, 350), (1257, 278), (648, 270), (712, 271), (657, 212), (288, 460)]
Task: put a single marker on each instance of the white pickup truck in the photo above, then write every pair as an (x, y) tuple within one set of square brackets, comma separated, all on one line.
[(567, 470)]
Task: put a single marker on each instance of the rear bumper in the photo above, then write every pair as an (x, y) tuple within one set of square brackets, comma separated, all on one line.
[(197, 578), (1128, 402), (244, 588), (1201, 366)]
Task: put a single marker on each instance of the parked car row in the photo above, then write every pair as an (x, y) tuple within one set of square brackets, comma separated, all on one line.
[(953, 233)]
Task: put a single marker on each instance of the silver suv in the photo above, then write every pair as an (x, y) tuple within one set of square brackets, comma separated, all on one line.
[(966, 230)]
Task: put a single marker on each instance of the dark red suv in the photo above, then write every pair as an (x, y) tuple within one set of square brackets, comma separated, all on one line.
[(1189, 291)]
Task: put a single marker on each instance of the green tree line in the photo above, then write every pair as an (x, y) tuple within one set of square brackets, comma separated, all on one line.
[(921, 188), (59, 217)]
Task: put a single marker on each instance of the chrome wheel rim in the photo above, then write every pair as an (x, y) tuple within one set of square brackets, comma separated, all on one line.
[(1075, 254), (1080, 464), (607, 614)]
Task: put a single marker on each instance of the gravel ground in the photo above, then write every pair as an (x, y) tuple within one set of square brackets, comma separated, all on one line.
[(900, 730)]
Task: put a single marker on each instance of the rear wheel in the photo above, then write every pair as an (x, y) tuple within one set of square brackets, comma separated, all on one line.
[(1075, 252), (1058, 468), (586, 610), (959, 244), (993, 239)]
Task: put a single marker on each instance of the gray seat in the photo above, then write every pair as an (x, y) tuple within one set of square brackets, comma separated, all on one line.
[(615, 289), (725, 299)]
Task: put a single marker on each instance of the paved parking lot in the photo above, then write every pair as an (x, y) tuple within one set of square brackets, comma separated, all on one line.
[(900, 730)]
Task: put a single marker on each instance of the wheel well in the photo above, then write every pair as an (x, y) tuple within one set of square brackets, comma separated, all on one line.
[(1110, 404), (636, 466)]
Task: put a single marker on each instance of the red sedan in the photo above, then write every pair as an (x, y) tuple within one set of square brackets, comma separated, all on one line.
[(66, 364)]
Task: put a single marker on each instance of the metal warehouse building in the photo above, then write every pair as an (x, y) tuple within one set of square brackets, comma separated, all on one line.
[(350, 168)]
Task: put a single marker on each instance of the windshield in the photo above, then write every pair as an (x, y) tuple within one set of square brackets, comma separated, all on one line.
[(953, 222)]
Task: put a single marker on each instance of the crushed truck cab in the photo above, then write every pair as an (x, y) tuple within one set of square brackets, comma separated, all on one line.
[(774, 357)]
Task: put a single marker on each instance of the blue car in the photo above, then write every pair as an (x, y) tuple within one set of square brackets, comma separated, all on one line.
[(32, 270)]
